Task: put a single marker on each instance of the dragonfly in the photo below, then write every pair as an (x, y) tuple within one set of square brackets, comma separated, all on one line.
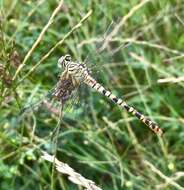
[(76, 73)]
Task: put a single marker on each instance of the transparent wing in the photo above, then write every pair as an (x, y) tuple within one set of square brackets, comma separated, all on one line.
[(34, 103), (98, 58), (64, 94)]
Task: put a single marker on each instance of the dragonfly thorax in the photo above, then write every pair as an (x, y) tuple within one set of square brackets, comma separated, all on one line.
[(77, 70)]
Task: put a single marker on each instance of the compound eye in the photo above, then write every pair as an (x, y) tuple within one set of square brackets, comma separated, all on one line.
[(67, 58), (61, 61)]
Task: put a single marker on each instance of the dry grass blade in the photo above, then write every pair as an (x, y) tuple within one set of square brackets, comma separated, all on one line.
[(58, 8), (168, 180), (122, 22), (73, 176), (133, 41), (57, 44), (175, 177), (171, 80)]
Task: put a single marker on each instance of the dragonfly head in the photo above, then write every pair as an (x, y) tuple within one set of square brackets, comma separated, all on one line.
[(63, 60)]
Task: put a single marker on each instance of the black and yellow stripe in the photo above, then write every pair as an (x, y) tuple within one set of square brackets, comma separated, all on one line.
[(153, 126)]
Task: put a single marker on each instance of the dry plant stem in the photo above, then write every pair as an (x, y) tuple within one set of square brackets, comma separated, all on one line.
[(73, 176), (56, 45), (122, 22), (29, 15), (168, 180), (147, 63), (55, 141), (50, 107), (143, 60), (175, 177), (174, 58), (58, 8), (133, 40), (179, 19), (171, 80)]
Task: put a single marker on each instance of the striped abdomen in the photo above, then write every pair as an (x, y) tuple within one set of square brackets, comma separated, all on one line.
[(93, 83)]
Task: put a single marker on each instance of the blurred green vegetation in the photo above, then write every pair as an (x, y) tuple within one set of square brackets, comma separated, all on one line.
[(96, 138)]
